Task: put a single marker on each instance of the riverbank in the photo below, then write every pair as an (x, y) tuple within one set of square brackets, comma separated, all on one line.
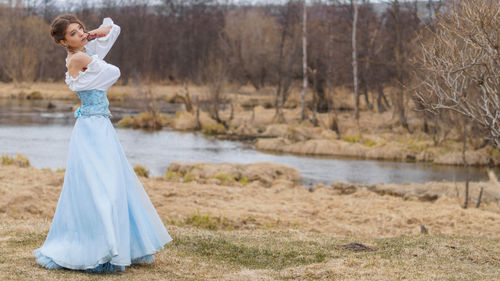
[(374, 140), (224, 231), (378, 136)]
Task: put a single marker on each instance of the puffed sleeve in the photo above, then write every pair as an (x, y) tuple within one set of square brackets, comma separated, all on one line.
[(98, 75), (101, 45)]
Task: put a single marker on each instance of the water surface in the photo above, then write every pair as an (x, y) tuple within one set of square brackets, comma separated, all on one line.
[(42, 134)]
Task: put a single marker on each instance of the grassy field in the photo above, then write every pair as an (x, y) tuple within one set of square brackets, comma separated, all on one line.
[(200, 254), (281, 232)]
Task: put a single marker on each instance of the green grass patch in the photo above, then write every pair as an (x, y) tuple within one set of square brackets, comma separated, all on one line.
[(225, 177), (351, 138), (243, 180), (188, 177), (369, 142), (280, 253), (269, 254), (169, 175), (217, 129), (208, 221)]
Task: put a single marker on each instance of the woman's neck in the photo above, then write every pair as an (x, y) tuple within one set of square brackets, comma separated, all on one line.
[(75, 51)]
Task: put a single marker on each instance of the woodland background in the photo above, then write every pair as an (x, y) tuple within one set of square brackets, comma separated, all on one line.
[(363, 46)]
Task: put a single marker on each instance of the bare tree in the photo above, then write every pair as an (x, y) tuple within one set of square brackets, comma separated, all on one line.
[(462, 62), (354, 4), (215, 74), (252, 37), (399, 96), (19, 56), (288, 53), (304, 60)]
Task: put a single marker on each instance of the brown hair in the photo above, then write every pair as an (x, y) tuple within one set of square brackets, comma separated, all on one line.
[(60, 24)]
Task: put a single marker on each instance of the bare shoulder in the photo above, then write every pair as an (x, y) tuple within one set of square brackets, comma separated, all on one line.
[(78, 62)]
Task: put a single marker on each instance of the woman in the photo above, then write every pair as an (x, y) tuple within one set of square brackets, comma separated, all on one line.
[(104, 220)]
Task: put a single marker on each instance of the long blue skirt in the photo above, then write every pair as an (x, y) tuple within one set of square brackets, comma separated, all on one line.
[(104, 220)]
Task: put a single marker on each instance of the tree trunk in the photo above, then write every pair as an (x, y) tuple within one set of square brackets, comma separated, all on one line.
[(355, 59), (304, 59), (466, 203), (399, 98)]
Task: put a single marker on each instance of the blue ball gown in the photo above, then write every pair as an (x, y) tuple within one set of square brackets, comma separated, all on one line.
[(104, 219)]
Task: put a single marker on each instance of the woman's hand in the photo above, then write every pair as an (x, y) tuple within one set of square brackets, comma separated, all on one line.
[(99, 32)]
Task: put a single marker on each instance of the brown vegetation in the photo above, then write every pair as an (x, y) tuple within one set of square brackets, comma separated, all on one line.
[(380, 211), (283, 232), (260, 174)]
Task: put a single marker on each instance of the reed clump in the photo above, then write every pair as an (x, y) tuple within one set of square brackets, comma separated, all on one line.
[(232, 174), (145, 120), (20, 160), (213, 129), (141, 171)]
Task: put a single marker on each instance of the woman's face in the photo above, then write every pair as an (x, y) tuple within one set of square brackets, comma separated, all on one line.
[(75, 36)]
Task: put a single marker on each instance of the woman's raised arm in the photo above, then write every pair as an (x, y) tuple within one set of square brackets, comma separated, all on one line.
[(102, 45)]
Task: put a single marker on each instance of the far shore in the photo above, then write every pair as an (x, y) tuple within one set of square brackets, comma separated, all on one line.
[(377, 138)]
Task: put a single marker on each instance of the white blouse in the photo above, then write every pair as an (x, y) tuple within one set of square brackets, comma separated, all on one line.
[(99, 74)]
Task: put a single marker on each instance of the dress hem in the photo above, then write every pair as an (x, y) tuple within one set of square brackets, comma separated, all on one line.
[(103, 265)]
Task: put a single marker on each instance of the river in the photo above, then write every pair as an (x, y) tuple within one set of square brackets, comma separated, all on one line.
[(42, 134)]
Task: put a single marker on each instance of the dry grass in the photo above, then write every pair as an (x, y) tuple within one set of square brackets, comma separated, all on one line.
[(279, 233), (116, 92), (198, 254)]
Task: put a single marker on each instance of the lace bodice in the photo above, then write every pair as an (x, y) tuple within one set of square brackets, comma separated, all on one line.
[(92, 84), (94, 102)]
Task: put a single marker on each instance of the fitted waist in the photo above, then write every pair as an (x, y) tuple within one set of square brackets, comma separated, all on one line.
[(94, 102)]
